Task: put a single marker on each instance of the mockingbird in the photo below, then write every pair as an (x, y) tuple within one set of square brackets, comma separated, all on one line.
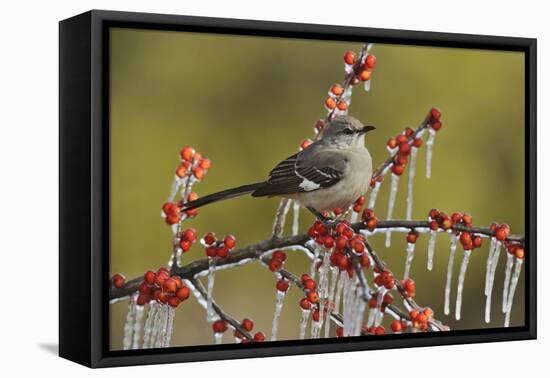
[(332, 172)]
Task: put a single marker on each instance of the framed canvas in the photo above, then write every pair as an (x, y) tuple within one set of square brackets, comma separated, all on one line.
[(222, 196)]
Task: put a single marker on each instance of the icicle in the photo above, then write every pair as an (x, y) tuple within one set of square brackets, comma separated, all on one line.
[(174, 188), (153, 306), (431, 249), (360, 316), (210, 313), (129, 324), (410, 184), (374, 194), (513, 285), (303, 323), (507, 275), (492, 248), (170, 326), (279, 300), (296, 218), (378, 314), (218, 337), (354, 217), (159, 342), (137, 326), (335, 273), (315, 327), (429, 146), (280, 217), (339, 289), (494, 263), (314, 260), (450, 264), (461, 278), (156, 325), (391, 203), (409, 259)]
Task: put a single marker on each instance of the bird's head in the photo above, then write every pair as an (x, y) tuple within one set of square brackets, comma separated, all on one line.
[(346, 131)]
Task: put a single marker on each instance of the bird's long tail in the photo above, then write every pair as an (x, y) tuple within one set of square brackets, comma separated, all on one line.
[(223, 195)]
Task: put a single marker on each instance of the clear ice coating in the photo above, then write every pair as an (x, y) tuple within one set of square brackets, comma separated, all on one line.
[(429, 148), (454, 239), (491, 280), (507, 277), (410, 183), (391, 203), (461, 277), (492, 247), (303, 322), (408, 259), (431, 249), (374, 194), (279, 300), (295, 218), (129, 324), (513, 285), (137, 326), (335, 272), (210, 313)]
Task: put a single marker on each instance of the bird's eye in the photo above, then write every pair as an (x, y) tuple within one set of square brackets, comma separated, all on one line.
[(348, 131)]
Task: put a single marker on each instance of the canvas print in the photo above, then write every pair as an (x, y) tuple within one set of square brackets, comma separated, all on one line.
[(272, 189)]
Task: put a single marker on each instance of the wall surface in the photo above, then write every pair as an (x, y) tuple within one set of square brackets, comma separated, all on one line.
[(28, 162)]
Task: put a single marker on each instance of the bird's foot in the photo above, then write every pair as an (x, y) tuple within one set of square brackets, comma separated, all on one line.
[(328, 222)]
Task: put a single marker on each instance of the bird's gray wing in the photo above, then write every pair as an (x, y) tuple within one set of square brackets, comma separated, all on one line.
[(306, 171)]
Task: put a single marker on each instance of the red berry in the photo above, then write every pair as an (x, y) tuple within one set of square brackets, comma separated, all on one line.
[(282, 285), (118, 280), (396, 326), (340, 332), (434, 213), (172, 219), (305, 304), (149, 277), (398, 169), (456, 217), (392, 143), (222, 252), (192, 197), (199, 173), (342, 105), (336, 89), (275, 265), (370, 62), (405, 148), (417, 142), (181, 170), (169, 285), (219, 326), (187, 153), (465, 238), (380, 331), (205, 164), (143, 299), (412, 236), (259, 337), (310, 284), (185, 245), (330, 103), (402, 159), (433, 225), (280, 255), (312, 296), (230, 241), (211, 251), (437, 125), (435, 114), (519, 253), (477, 241), (329, 242), (467, 219), (173, 302), (371, 224), (364, 260), (209, 238), (182, 293), (359, 247), (364, 75), (349, 57), (247, 324), (502, 233), (190, 235)]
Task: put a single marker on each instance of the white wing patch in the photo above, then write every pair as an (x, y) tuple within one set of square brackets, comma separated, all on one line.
[(308, 185)]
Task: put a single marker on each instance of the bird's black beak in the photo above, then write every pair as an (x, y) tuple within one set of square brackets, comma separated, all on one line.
[(366, 129)]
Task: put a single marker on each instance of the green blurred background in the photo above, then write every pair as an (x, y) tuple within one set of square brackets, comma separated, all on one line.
[(247, 102)]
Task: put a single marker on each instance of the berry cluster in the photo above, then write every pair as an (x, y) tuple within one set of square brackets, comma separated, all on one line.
[(248, 325), (187, 239), (408, 287), (374, 330), (218, 248), (434, 119), (192, 164), (502, 232), (276, 261), (118, 280), (420, 319), (403, 144), (337, 101), (398, 326), (384, 278), (369, 219), (341, 239), (162, 287), (309, 286)]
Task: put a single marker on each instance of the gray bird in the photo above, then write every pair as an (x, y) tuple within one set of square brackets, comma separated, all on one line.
[(332, 172)]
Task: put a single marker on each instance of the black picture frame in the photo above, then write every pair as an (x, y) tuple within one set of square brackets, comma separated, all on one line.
[(84, 187)]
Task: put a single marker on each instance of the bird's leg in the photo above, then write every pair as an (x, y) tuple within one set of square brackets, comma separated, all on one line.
[(330, 223)]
